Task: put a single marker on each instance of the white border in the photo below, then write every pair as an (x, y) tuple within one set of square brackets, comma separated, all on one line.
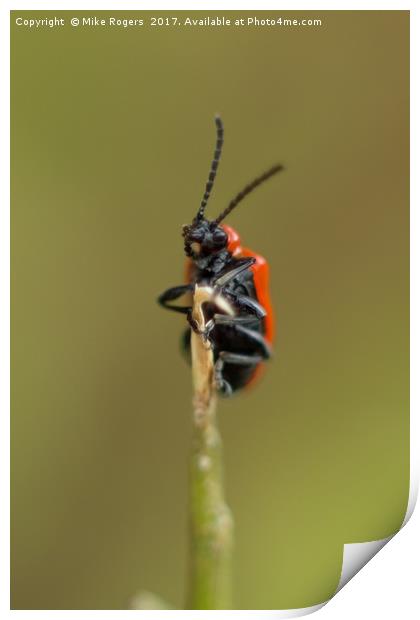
[(397, 565)]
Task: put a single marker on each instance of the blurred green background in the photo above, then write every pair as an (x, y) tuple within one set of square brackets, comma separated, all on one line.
[(112, 135)]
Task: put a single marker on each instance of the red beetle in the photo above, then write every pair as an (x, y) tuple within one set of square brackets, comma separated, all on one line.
[(238, 315)]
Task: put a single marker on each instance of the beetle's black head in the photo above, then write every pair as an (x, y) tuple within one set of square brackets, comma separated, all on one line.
[(203, 239)]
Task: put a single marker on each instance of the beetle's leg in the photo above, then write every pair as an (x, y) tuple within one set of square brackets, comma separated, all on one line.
[(226, 319), (240, 319), (223, 387), (173, 293), (250, 336), (243, 302), (241, 265)]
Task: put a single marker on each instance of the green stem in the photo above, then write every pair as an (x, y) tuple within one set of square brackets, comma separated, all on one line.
[(211, 525)]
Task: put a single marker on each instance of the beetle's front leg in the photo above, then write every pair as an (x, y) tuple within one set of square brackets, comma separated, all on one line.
[(242, 264), (174, 293)]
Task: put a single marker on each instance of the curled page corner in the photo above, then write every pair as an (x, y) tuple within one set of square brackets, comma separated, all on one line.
[(357, 555)]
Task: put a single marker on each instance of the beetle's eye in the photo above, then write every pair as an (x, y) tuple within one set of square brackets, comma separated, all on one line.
[(219, 236), (197, 234)]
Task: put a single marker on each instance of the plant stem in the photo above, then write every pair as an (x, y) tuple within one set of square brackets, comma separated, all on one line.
[(211, 525)]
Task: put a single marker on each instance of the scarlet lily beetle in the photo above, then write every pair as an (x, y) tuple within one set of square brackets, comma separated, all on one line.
[(239, 318)]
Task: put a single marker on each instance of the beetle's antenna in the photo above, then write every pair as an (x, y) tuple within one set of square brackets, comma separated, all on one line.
[(213, 169), (247, 190)]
